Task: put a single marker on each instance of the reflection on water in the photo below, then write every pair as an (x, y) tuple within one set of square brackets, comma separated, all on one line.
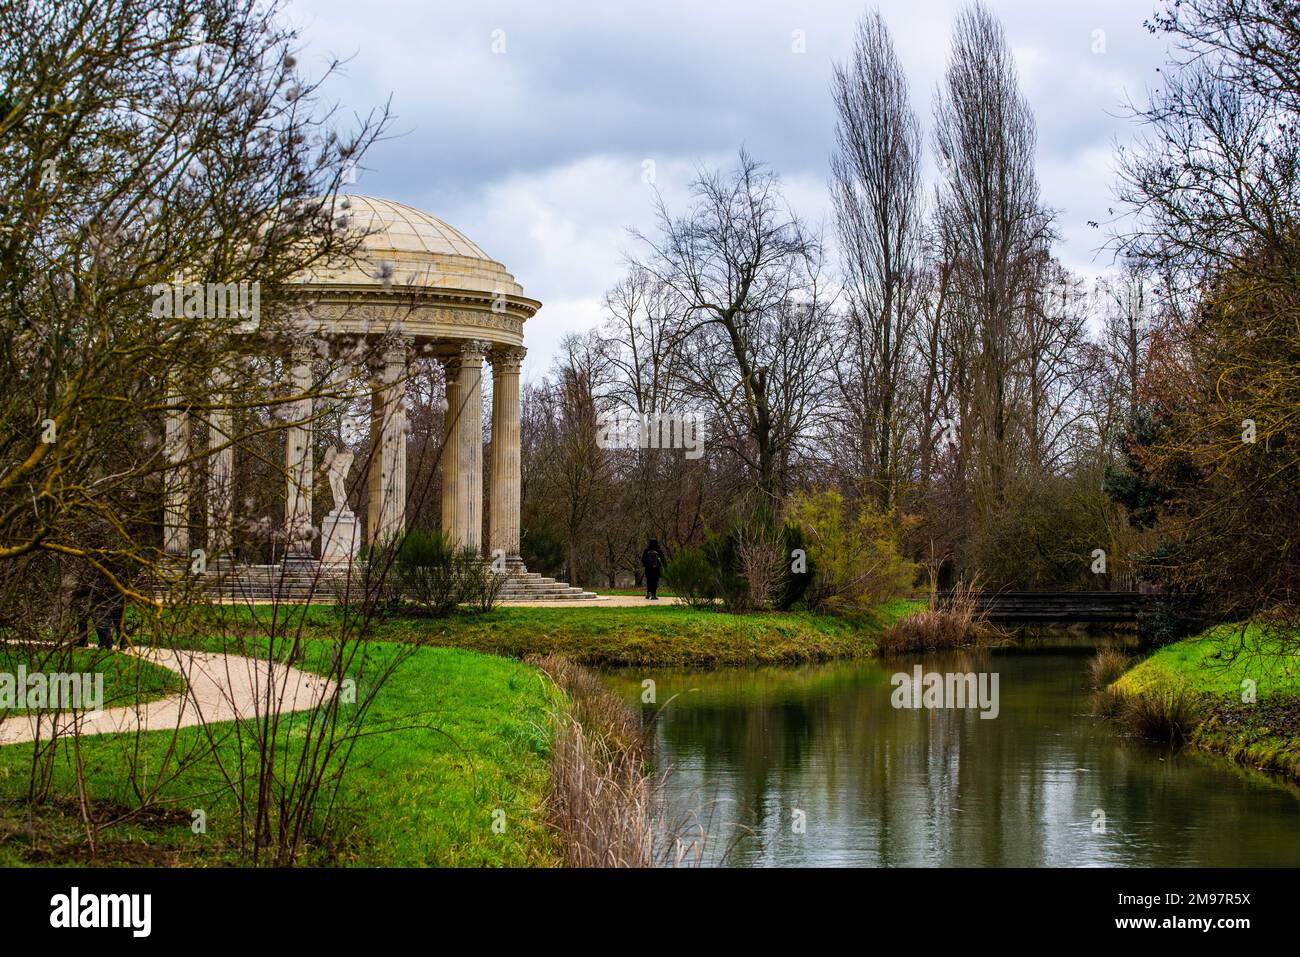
[(880, 786)]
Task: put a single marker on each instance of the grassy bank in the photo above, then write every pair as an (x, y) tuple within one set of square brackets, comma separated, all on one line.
[(452, 737), (663, 636), (1212, 670), (462, 733), (127, 679)]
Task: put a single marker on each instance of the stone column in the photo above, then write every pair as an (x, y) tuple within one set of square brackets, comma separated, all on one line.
[(176, 481), (220, 475), (299, 473), (387, 477), (503, 536), (464, 454), (450, 466)]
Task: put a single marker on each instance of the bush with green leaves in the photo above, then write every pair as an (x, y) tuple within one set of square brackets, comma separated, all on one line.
[(692, 577), (799, 568), (543, 548), (853, 552), (752, 566), (438, 576), (722, 552)]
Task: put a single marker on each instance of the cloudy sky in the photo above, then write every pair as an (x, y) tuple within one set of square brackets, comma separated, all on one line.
[(531, 126)]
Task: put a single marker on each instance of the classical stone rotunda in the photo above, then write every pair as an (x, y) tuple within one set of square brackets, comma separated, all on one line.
[(421, 288)]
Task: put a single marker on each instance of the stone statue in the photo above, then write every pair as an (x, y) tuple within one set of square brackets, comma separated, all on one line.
[(336, 465)]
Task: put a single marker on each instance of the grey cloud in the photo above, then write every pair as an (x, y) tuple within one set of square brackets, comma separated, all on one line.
[(678, 82)]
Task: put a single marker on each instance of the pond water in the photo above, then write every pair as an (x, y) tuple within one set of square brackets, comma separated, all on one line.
[(814, 766)]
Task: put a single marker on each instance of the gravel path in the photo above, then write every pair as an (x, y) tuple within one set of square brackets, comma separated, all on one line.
[(218, 688), (604, 601)]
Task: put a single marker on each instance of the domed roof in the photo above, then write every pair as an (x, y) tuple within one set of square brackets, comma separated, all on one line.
[(403, 248), (395, 227)]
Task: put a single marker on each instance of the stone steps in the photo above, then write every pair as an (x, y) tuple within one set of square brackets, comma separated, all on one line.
[(530, 586), (325, 585)]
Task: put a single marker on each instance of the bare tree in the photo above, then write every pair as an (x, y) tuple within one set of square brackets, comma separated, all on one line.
[(879, 214), (1049, 380), (992, 223), (662, 490), (1126, 303), (753, 328), (144, 147), (578, 478), (1215, 175)]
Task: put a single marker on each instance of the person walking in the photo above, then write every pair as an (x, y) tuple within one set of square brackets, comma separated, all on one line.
[(100, 607), (83, 609), (652, 560), (110, 623)]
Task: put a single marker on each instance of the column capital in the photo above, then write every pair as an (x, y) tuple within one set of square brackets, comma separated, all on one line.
[(507, 359), (394, 351), (399, 349), (474, 349)]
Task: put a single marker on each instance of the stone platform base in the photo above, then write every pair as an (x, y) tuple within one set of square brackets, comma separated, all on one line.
[(326, 583), (524, 585)]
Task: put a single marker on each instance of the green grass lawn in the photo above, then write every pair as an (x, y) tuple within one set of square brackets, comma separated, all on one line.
[(127, 679), (667, 635), (1217, 661), (452, 737), (457, 733), (1216, 667)]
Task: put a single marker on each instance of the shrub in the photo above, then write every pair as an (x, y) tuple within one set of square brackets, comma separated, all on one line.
[(760, 551), (692, 577), (1167, 714), (722, 553), (795, 582), (480, 585), (427, 570), (955, 620), (856, 556), (1169, 619), (747, 568), (439, 577), (543, 548), (1106, 667)]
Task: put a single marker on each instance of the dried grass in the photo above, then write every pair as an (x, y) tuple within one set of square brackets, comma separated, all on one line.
[(955, 620), (1168, 714), (602, 802), (1106, 667)]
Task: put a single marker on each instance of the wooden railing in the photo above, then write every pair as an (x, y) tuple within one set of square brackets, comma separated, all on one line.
[(1062, 606)]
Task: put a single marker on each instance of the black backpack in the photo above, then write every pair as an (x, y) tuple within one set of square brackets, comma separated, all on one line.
[(652, 560)]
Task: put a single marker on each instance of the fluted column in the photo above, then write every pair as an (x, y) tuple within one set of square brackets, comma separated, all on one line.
[(221, 471), (464, 454), (504, 518), (298, 458), (450, 466), (176, 481), (387, 478)]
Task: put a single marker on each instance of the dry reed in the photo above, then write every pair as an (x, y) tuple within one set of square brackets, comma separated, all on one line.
[(955, 620)]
